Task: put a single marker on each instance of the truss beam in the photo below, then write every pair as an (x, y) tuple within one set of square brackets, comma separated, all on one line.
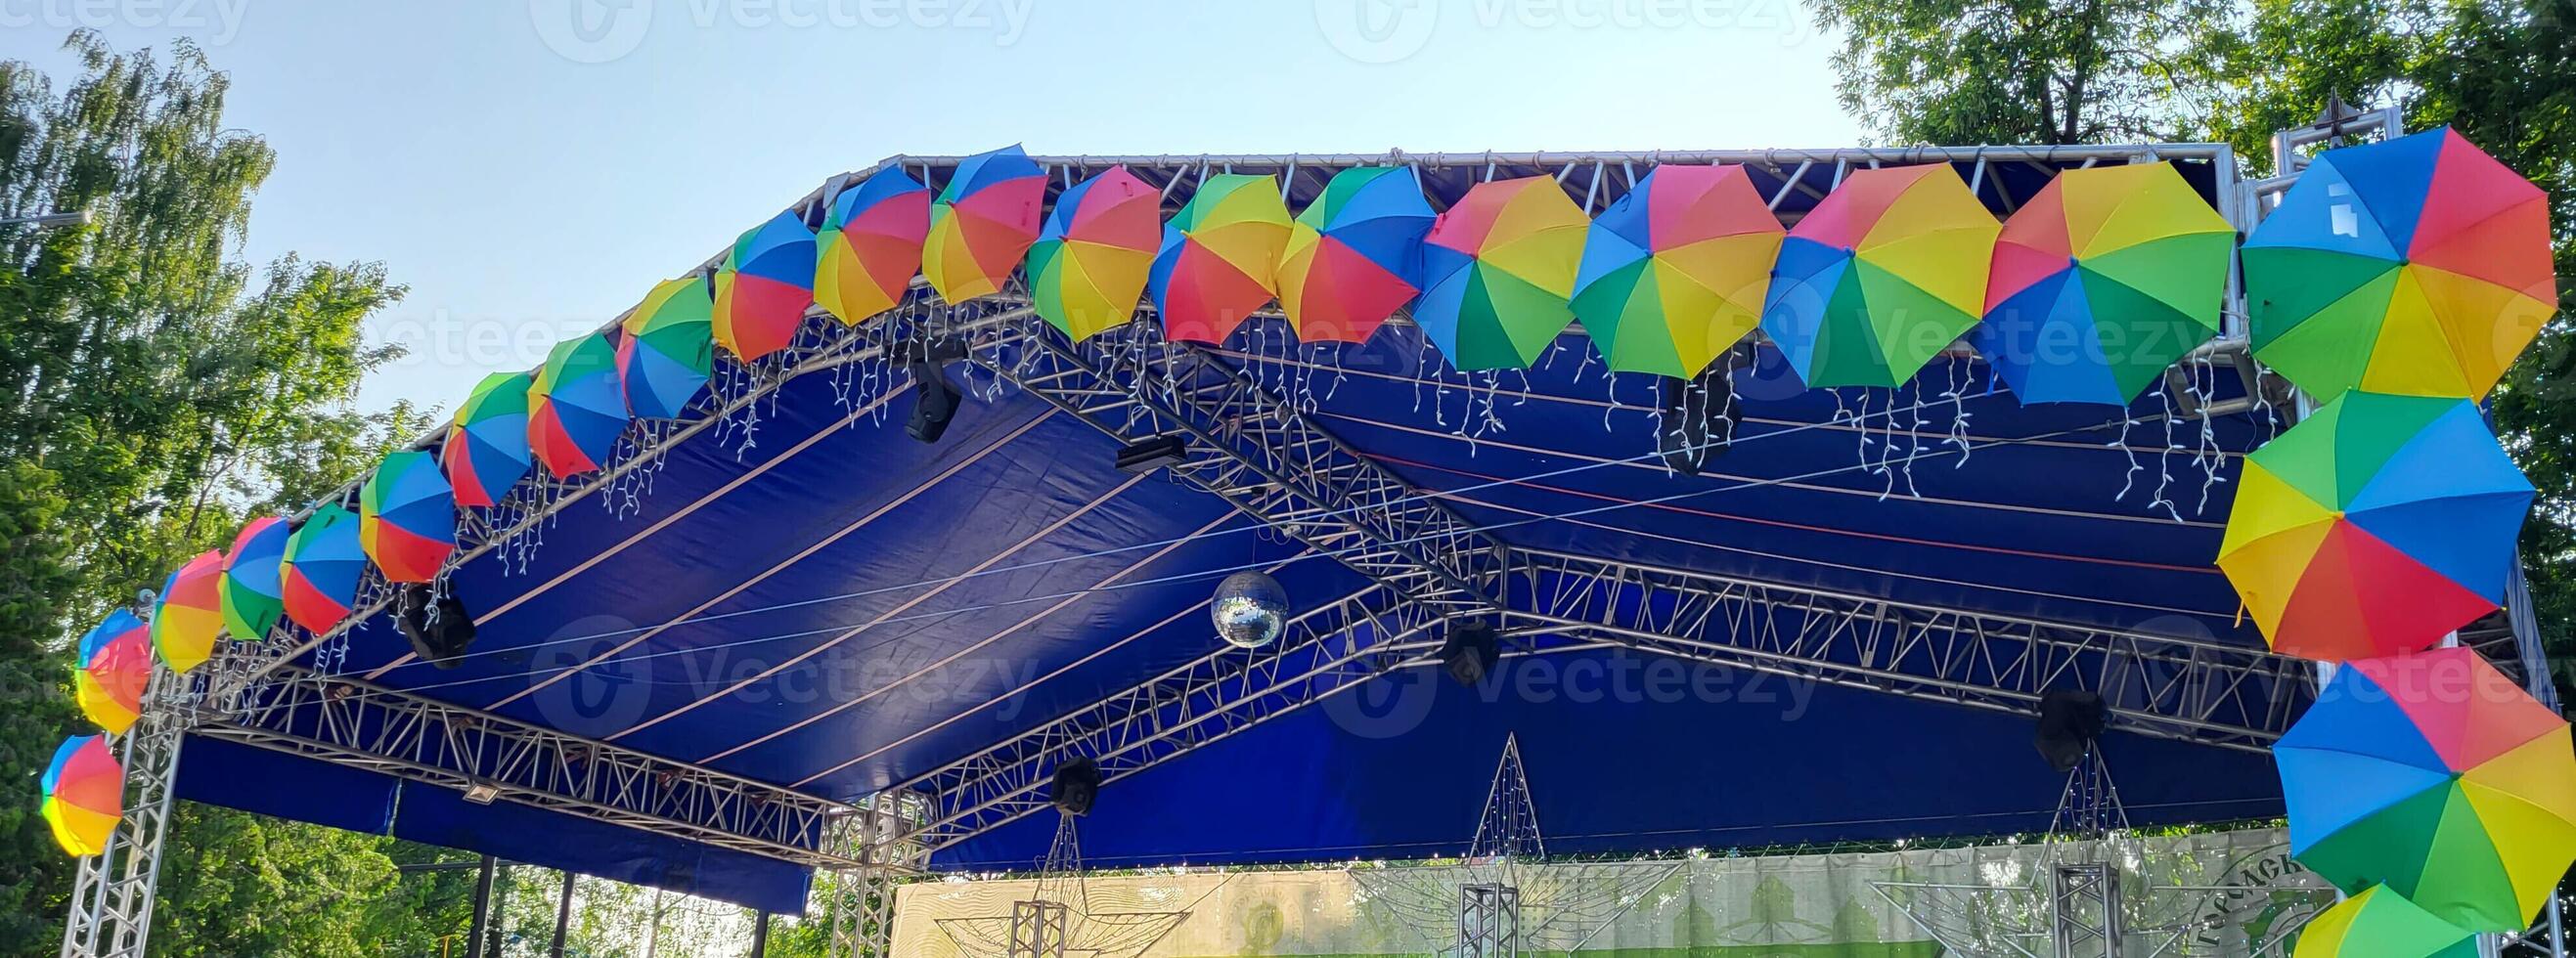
[(489, 757), (1267, 459), (2194, 689), (1323, 651)]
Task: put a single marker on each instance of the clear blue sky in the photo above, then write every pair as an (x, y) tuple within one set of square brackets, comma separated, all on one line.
[(530, 167)]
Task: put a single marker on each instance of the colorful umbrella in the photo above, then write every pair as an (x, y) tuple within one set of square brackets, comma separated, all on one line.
[(2374, 527), (115, 663), (1498, 273), (1088, 267), (576, 407), (407, 518), (2106, 277), (189, 616), (1220, 257), (1880, 277), (983, 224), (2379, 923), (2418, 266), (764, 286), (667, 352), (1673, 273), (2435, 775), (84, 793), (324, 563), (252, 596), (1352, 253), (871, 245), (487, 445)]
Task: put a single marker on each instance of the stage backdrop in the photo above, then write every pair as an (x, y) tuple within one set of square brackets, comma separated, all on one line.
[(2229, 893)]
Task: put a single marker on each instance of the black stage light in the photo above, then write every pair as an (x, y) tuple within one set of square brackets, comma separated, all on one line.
[(1076, 786), (438, 626), (1470, 651), (934, 401), (2069, 723), (1147, 455)]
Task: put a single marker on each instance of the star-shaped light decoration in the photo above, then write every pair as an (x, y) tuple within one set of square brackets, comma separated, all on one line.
[(1087, 929), (1562, 905)]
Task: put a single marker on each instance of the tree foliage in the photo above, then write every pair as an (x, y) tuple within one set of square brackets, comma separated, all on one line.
[(154, 390), (2025, 71)]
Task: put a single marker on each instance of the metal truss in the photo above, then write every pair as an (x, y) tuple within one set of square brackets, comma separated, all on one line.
[(2194, 689), (113, 892), (491, 758), (1323, 651), (1264, 457), (1791, 179)]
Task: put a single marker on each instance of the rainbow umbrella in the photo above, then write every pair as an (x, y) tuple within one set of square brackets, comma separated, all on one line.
[(2374, 527), (983, 224), (487, 445), (1880, 277), (324, 563), (2379, 923), (763, 287), (871, 245), (1673, 273), (252, 597), (189, 616), (84, 793), (2435, 775), (576, 406), (667, 352), (407, 518), (2418, 266), (1220, 257), (114, 665), (1088, 267), (2106, 277), (1352, 253), (1498, 273)]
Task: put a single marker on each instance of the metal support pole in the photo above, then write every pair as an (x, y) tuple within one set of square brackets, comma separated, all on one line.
[(482, 910), (494, 935), (563, 917), (760, 936), (113, 891)]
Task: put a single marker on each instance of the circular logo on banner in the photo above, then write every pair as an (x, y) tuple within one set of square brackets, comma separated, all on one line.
[(1377, 31), (1385, 706), (591, 31), (585, 697)]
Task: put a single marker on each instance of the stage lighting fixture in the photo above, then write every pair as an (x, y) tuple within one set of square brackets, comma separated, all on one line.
[(482, 793), (1076, 786), (1147, 455), (1470, 651), (934, 401), (2069, 723), (438, 626)]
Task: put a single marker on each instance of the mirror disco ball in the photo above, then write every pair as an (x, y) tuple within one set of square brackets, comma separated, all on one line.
[(1250, 610)]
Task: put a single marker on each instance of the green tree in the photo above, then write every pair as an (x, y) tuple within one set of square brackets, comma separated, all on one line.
[(153, 391), (2025, 71)]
